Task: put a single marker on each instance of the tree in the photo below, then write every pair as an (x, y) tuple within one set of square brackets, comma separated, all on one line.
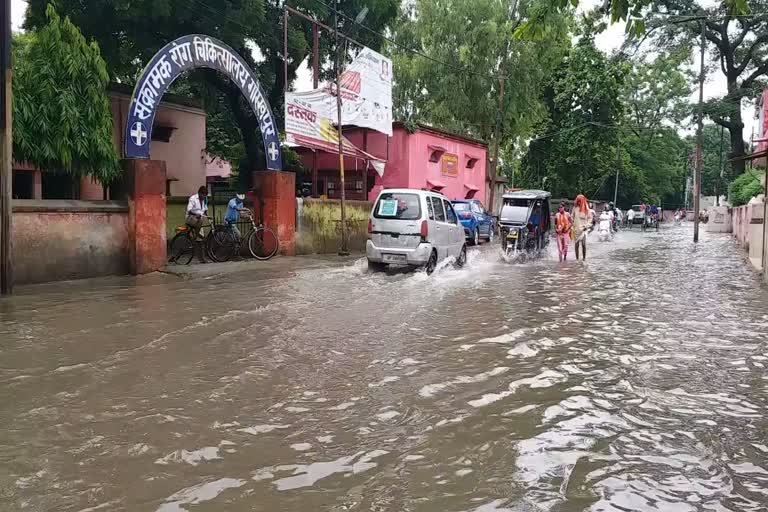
[(714, 177), (739, 47), (657, 92), (61, 116), (466, 48), (578, 149), (131, 31)]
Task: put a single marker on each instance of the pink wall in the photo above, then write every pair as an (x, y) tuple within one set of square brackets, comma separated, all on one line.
[(408, 164)]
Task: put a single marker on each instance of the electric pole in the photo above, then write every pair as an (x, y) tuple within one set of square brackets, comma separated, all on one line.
[(618, 167), (6, 149), (344, 251), (497, 129), (699, 138)]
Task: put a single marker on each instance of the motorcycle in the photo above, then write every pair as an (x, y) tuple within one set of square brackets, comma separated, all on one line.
[(604, 232)]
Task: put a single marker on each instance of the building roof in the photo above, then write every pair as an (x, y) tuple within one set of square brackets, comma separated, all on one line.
[(441, 132), (173, 99), (528, 194)]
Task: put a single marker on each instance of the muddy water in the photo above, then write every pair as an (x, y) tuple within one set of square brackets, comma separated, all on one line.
[(634, 382)]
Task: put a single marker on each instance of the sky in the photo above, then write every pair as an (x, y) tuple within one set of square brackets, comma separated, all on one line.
[(608, 41)]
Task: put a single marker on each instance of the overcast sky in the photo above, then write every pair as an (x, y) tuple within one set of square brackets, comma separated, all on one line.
[(607, 41)]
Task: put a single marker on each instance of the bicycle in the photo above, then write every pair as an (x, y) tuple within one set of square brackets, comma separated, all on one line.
[(262, 243), (182, 247)]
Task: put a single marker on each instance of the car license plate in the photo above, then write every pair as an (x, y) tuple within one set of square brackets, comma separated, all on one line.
[(511, 235), (394, 258)]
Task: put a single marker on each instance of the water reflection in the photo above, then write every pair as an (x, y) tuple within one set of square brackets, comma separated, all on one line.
[(635, 381)]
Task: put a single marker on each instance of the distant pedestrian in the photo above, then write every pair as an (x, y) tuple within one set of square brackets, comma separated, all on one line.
[(630, 218), (581, 225), (563, 226)]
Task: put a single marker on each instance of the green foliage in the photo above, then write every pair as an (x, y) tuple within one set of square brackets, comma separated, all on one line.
[(578, 150), (744, 188), (61, 116), (129, 33), (476, 39)]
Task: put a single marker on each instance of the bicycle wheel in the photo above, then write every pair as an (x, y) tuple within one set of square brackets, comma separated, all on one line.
[(222, 246), (182, 249), (263, 243)]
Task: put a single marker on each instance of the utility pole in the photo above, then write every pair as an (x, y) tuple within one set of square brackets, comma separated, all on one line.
[(499, 115), (6, 149), (344, 251), (699, 138), (618, 167)]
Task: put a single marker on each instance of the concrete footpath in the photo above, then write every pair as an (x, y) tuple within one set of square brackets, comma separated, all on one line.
[(255, 269), (247, 270)]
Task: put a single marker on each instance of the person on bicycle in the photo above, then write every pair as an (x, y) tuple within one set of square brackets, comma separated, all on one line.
[(234, 209)]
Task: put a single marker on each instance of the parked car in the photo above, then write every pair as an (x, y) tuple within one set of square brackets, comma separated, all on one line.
[(477, 222), (413, 227), (639, 215)]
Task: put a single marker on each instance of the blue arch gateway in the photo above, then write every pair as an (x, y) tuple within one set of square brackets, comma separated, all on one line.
[(191, 52)]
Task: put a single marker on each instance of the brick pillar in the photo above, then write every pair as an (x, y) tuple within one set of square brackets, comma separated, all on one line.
[(145, 183), (278, 191)]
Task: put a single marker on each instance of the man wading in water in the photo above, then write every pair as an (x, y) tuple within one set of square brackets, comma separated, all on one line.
[(582, 224)]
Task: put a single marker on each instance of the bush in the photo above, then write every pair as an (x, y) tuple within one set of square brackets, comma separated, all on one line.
[(744, 188)]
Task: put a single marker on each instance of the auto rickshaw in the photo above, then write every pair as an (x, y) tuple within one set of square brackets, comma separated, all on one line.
[(524, 221)]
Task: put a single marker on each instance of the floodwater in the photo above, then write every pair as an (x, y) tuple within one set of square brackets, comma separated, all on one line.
[(634, 382)]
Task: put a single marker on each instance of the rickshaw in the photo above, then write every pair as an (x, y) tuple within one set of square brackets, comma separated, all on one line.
[(524, 222)]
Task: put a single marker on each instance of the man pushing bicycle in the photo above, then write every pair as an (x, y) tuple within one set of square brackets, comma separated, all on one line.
[(234, 209)]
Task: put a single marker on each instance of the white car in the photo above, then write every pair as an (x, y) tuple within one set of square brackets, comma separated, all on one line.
[(413, 227)]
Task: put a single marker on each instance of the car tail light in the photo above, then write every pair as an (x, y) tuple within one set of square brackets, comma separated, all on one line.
[(370, 226), (424, 230), (465, 215)]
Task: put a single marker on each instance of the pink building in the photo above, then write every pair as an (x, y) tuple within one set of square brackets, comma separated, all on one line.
[(178, 137), (428, 158)]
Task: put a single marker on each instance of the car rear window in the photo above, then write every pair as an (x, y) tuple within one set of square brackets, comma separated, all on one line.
[(397, 205), (461, 207)]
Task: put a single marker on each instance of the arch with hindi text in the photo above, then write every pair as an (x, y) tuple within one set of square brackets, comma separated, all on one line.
[(192, 52)]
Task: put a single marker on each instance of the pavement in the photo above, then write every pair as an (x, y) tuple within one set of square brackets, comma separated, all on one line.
[(279, 265)]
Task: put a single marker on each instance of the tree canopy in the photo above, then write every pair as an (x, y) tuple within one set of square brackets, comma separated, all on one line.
[(129, 33), (61, 116)]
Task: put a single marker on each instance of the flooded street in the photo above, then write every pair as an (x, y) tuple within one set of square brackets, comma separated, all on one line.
[(634, 382)]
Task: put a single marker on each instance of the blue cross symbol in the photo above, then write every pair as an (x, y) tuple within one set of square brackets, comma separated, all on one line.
[(138, 133), (273, 151)]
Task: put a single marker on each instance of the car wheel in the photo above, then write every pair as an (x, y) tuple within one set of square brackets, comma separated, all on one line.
[(431, 263), (462, 260), (476, 236), (375, 266)]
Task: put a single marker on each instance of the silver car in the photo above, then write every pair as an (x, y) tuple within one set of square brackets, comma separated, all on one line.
[(413, 227)]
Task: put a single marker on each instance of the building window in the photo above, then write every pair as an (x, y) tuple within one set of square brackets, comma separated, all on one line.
[(60, 186), (162, 133), (471, 161), (23, 185), (435, 153)]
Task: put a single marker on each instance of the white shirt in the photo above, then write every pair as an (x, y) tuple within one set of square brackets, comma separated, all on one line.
[(195, 207), (630, 214)]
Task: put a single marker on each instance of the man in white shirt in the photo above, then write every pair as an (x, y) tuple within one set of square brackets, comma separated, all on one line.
[(197, 207), (630, 218)]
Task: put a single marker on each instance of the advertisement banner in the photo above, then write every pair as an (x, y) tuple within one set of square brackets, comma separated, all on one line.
[(366, 92)]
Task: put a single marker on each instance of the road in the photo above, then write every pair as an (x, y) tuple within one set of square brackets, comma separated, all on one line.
[(636, 381)]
